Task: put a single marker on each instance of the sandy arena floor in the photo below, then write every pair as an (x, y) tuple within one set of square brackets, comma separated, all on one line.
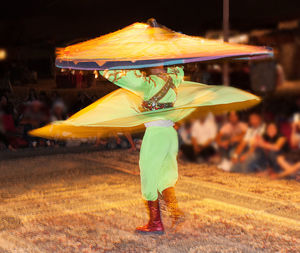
[(91, 203)]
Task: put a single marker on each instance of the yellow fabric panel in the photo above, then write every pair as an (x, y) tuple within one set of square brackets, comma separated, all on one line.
[(120, 111)]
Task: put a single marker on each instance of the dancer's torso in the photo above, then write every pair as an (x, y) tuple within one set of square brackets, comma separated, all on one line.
[(157, 91)]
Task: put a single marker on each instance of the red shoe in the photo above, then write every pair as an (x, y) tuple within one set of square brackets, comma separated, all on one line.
[(155, 225)]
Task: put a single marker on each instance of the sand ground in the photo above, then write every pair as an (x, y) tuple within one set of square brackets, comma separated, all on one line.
[(90, 202)]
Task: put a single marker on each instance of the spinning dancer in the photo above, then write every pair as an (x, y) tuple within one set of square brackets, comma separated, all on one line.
[(155, 100), (158, 155)]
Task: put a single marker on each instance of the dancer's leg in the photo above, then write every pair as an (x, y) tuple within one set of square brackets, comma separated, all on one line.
[(154, 150), (158, 170)]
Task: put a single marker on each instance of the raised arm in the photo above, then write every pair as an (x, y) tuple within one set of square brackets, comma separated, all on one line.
[(132, 80), (177, 75), (135, 81)]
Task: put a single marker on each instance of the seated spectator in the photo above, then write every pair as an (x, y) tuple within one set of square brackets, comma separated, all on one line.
[(185, 141), (9, 134), (34, 116), (290, 162), (3, 137), (58, 111), (229, 136), (246, 157), (272, 144), (204, 131)]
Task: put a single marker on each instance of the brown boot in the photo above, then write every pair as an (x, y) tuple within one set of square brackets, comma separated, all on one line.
[(155, 225), (172, 205)]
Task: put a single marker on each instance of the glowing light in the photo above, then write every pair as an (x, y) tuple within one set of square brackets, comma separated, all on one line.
[(3, 54), (96, 74)]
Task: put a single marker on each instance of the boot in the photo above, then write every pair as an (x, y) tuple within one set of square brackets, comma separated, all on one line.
[(172, 205), (154, 225)]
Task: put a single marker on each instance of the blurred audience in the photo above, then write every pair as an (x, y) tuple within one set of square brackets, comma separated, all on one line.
[(247, 158), (272, 144), (230, 135), (232, 145), (203, 134), (289, 162)]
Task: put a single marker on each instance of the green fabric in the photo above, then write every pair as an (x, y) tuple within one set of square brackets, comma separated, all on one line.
[(145, 86), (158, 161), (158, 156)]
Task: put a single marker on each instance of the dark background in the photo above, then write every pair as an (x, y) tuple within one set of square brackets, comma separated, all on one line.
[(66, 21)]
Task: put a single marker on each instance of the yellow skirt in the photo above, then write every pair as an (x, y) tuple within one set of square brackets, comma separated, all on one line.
[(121, 111)]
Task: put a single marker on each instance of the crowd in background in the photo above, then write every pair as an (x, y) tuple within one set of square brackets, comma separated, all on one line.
[(264, 143), (269, 147), (17, 118)]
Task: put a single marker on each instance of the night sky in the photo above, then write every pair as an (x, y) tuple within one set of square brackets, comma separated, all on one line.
[(66, 21)]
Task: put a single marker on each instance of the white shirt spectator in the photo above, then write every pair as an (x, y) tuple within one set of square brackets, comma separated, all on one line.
[(252, 133), (229, 129), (204, 131)]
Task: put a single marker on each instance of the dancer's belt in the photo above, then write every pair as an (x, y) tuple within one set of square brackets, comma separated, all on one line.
[(152, 104)]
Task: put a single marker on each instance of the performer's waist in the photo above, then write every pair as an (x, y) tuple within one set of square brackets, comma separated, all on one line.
[(160, 123), (152, 106)]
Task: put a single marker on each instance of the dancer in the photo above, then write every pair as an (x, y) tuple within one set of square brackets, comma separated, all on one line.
[(155, 100), (158, 155)]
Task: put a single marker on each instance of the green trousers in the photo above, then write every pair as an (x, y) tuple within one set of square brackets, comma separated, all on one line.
[(158, 161)]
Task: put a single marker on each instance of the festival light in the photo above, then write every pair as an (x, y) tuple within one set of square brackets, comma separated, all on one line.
[(96, 74), (3, 54)]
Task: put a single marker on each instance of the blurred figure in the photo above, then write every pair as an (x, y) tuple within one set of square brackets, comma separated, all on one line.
[(8, 131), (3, 137), (117, 140), (32, 95), (185, 141), (272, 144), (58, 111), (204, 131), (295, 135), (229, 137), (54, 97), (33, 117), (43, 97), (246, 156), (290, 162), (82, 101), (290, 165)]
